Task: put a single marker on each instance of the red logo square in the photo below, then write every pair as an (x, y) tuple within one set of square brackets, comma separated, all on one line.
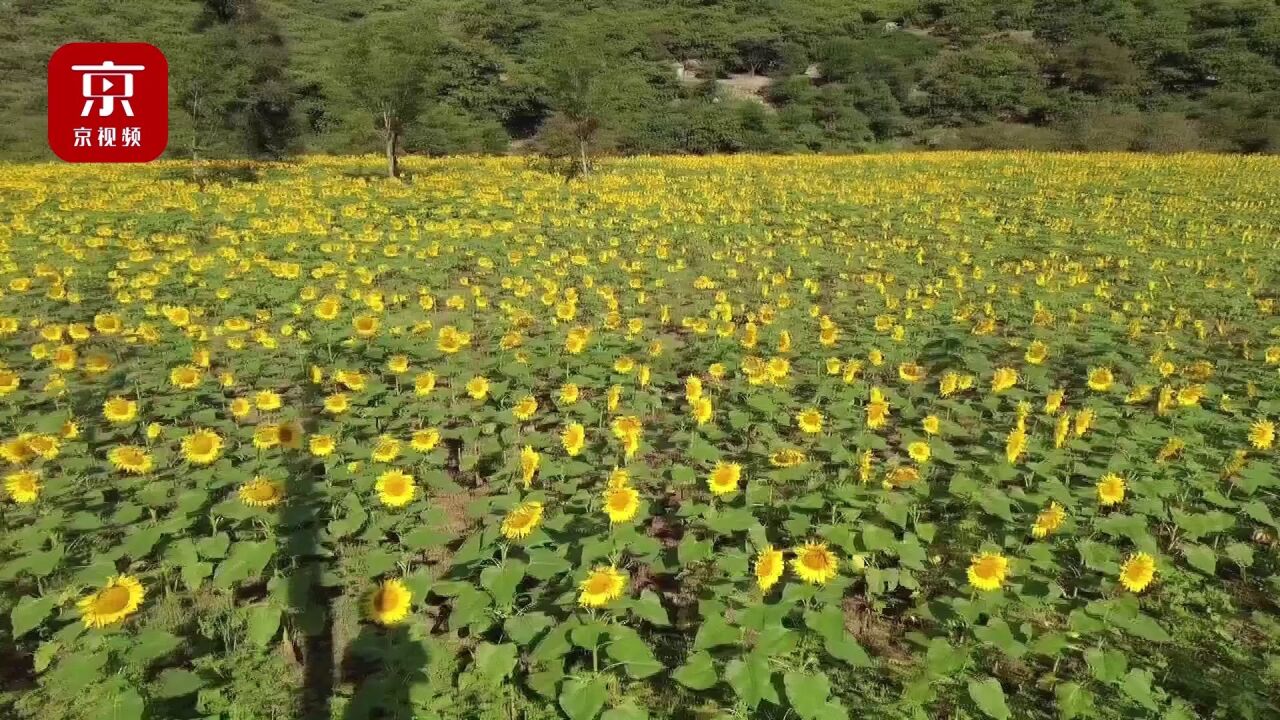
[(108, 102)]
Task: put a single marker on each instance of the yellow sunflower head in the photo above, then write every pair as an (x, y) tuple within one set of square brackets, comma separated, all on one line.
[(115, 601)]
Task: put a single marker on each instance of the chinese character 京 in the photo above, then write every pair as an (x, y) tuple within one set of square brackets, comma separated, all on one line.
[(107, 82)]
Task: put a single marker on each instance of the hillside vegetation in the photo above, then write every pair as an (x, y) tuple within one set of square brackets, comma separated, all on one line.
[(273, 77)]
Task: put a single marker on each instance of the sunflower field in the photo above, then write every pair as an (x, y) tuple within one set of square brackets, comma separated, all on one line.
[(901, 436)]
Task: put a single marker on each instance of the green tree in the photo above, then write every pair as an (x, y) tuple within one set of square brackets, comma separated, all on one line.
[(388, 66)]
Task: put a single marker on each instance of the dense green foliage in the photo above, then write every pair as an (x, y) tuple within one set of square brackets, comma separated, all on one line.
[(267, 77)]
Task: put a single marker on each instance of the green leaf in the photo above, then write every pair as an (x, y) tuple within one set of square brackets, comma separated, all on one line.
[(502, 580), (752, 680), (715, 631), (245, 561), (1107, 666), (553, 645), (828, 623), (150, 645), (649, 607), (583, 698), (627, 648), (989, 697), (1145, 627), (29, 613), (1240, 554), (627, 711), (698, 672), (807, 693), (1137, 685), (691, 550), (545, 564), (1201, 557), (1074, 700), (264, 621), (124, 705), (495, 662), (174, 683), (140, 541), (524, 628)]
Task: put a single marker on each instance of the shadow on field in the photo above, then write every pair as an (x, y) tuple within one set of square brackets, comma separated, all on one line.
[(309, 602), (387, 663)]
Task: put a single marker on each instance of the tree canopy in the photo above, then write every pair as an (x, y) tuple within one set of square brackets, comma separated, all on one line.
[(267, 78)]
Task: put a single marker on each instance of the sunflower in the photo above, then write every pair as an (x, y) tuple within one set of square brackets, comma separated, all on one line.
[(834, 366), (1015, 445), (118, 409), (573, 439), (1110, 489), (385, 449), (525, 408), (201, 447), (261, 492), (1137, 572), (1004, 379), (240, 407), (424, 383), (987, 571), (1048, 521), (290, 435), (931, 424), (398, 364), (530, 459), (353, 380), (131, 459), (424, 440), (702, 410), (186, 377), (23, 486), (877, 409), (1100, 379), (724, 478), (337, 403), (919, 451), (267, 400), (266, 436), (768, 567), (809, 420), (365, 326), (322, 445), (522, 520), (9, 382), (1053, 401), (603, 585), (1262, 434), (692, 388), (787, 457), (612, 398), (814, 563), (44, 446), (1083, 421), (395, 488), (1036, 352), (328, 307), (117, 600), (901, 476), (621, 504), (450, 339), (909, 372), (619, 477), (388, 603), (478, 387), (569, 394)]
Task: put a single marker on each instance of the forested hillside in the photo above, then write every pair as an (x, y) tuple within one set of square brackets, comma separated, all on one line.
[(272, 77)]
